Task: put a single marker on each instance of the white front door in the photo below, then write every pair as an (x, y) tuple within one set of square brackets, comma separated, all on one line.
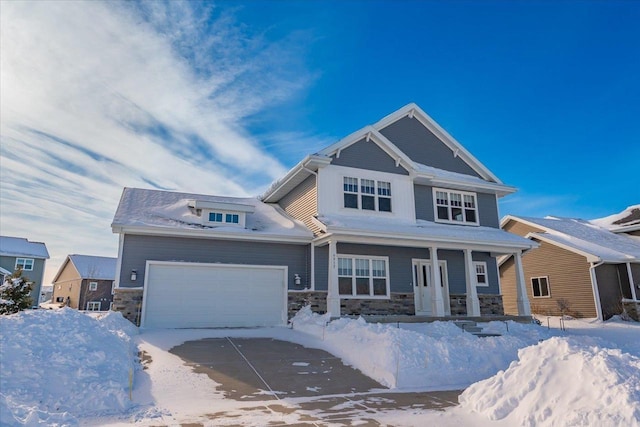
[(423, 291)]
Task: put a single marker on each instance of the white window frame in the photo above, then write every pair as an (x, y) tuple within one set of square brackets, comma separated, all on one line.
[(370, 276), (226, 218), (93, 286), (92, 304), (484, 273), (546, 278), (381, 190), (22, 263), (449, 207)]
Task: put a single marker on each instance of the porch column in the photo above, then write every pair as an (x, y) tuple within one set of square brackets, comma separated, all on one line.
[(473, 304), (631, 282), (522, 300), (333, 295), (436, 289)]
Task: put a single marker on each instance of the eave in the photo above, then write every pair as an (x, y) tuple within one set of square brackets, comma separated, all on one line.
[(307, 167)]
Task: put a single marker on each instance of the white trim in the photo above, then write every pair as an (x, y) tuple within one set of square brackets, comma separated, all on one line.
[(541, 236), (632, 285), (473, 303), (435, 190), (93, 283), (312, 279), (533, 294), (119, 260), (417, 297), (221, 206), (371, 277), (486, 273), (93, 304), (333, 291), (24, 261), (150, 263), (210, 234)]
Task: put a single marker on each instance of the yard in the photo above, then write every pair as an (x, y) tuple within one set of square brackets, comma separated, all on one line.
[(63, 367)]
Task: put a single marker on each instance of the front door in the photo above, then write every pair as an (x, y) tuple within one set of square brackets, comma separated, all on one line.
[(423, 291)]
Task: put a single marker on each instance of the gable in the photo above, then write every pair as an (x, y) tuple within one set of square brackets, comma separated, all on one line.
[(67, 272), (424, 147), (368, 155)]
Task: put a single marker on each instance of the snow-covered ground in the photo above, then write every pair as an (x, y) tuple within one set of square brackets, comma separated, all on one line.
[(65, 368)]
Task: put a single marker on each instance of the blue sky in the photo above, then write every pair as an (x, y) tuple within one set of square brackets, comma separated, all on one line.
[(224, 97)]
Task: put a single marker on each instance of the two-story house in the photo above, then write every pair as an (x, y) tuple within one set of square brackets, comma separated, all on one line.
[(20, 253), (396, 218), (85, 282)]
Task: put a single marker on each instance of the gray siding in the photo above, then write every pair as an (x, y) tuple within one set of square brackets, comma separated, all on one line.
[(36, 275), (302, 203), (422, 146), (138, 249), (487, 206), (367, 155), (322, 268), (609, 289), (102, 294)]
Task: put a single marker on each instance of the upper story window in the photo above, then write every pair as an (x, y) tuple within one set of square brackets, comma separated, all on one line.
[(367, 194), (26, 264), (224, 218), (93, 286), (232, 218), (455, 206)]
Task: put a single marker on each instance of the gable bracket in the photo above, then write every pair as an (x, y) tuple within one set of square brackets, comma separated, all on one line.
[(368, 136), (411, 113), (338, 153), (455, 152)]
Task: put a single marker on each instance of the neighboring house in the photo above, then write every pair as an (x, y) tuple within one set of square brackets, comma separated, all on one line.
[(626, 222), (592, 270), (17, 252), (85, 282), (397, 218)]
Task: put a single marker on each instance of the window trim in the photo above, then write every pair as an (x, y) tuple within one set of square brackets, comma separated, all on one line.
[(92, 303), (376, 194), (353, 276), (486, 273), (462, 194), (533, 294), (94, 285), (24, 262), (226, 218)]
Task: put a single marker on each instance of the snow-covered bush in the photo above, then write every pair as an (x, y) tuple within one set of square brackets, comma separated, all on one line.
[(14, 293)]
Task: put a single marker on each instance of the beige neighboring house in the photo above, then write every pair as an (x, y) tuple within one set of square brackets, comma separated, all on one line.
[(590, 270), (85, 282)]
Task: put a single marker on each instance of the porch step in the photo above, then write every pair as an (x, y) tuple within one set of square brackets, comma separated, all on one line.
[(472, 327)]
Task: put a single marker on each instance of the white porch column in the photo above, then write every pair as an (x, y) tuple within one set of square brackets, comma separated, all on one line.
[(522, 300), (436, 289), (473, 304), (631, 282), (333, 295)]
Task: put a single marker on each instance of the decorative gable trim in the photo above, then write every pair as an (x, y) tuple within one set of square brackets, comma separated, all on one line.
[(413, 111)]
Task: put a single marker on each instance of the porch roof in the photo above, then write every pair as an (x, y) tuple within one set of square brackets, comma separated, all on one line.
[(424, 233)]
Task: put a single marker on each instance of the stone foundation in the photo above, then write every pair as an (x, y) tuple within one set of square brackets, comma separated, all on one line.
[(632, 308), (490, 305), (128, 301), (316, 299), (398, 304)]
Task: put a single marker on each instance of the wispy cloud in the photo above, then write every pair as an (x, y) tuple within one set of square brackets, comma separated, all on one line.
[(101, 95)]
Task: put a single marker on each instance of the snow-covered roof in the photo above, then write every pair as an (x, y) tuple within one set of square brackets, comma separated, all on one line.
[(425, 231), (94, 267), (627, 220), (18, 247), (586, 238), (167, 212), (4, 272)]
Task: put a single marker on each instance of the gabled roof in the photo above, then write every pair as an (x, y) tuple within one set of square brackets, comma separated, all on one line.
[(90, 267), (20, 247), (310, 164), (623, 222), (582, 237), (169, 213)]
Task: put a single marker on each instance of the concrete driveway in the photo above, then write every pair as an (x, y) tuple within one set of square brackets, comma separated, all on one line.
[(265, 369)]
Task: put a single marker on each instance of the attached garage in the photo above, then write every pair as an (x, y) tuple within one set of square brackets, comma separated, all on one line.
[(197, 295)]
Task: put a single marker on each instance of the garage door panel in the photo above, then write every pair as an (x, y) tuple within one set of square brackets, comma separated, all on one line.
[(193, 296)]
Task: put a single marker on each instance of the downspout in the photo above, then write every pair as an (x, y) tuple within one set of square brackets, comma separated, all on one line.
[(596, 292)]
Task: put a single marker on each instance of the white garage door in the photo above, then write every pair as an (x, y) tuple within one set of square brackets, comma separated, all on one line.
[(190, 295)]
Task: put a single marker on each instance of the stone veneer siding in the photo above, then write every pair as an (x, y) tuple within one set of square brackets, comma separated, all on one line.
[(490, 305), (128, 301), (632, 308), (399, 303), (316, 299)]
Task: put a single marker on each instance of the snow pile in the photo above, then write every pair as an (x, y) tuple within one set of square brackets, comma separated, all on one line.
[(60, 365), (436, 355), (562, 381)]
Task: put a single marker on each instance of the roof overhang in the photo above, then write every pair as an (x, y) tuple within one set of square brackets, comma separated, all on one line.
[(210, 234), (236, 207), (307, 167), (500, 190)]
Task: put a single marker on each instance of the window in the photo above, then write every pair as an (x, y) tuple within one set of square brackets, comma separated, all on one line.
[(481, 273), (455, 207), (26, 264), (59, 299), (232, 218), (369, 195), (93, 286), (360, 276), (540, 286), (93, 306), (215, 217)]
